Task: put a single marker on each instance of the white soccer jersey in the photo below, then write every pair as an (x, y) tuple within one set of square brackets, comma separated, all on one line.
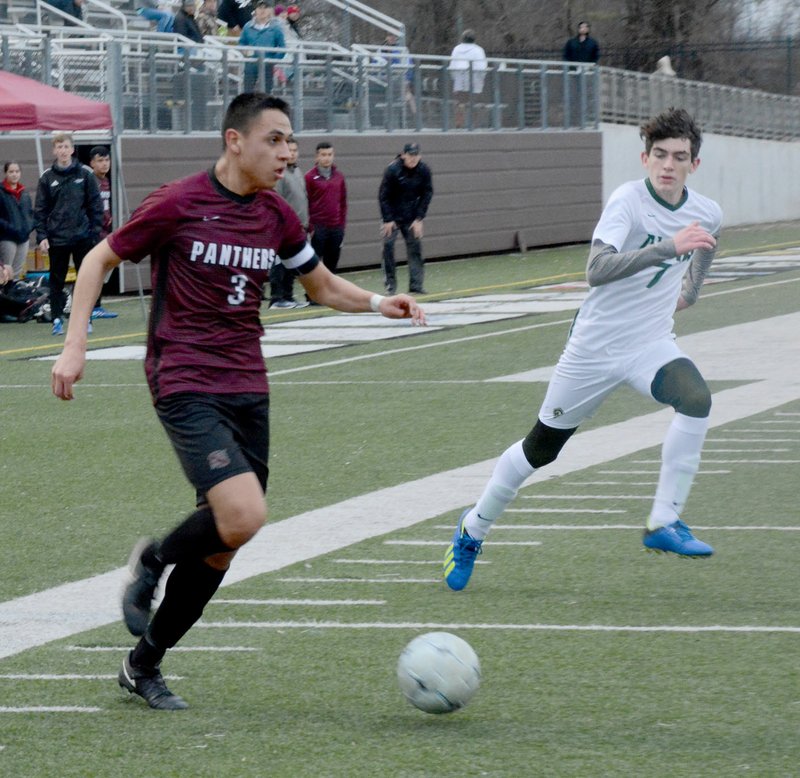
[(624, 315)]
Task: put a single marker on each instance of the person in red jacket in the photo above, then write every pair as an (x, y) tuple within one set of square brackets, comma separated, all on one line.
[(327, 206)]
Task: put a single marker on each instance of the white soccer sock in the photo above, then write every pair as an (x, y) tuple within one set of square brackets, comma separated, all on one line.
[(509, 474), (680, 460)]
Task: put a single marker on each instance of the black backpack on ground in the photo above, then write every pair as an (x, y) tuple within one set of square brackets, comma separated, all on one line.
[(21, 301)]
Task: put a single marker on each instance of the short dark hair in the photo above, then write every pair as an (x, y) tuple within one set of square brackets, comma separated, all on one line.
[(244, 108), (672, 123), (468, 36), (98, 151), (324, 144)]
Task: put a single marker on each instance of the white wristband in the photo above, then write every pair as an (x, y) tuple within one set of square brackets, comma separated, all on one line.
[(375, 302)]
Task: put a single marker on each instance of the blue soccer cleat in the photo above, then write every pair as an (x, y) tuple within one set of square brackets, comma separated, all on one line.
[(102, 313), (58, 327), (675, 538), (460, 557)]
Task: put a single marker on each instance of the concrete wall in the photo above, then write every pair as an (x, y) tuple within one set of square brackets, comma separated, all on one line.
[(491, 190), (754, 181)]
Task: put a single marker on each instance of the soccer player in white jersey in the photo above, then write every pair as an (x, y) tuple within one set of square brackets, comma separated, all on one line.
[(650, 252)]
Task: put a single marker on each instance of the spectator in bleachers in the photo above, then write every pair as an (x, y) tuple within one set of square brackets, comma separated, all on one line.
[(293, 20), (467, 67), (293, 36), (236, 14), (664, 68), (260, 32), (73, 8), (582, 48), (397, 56), (206, 18), (16, 221), (186, 24), (153, 11)]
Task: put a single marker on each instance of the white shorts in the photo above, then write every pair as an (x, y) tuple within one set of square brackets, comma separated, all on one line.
[(579, 384)]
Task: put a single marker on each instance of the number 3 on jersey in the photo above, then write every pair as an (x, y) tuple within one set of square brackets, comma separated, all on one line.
[(239, 282)]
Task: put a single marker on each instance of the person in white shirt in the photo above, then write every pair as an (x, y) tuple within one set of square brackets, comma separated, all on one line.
[(650, 252), (468, 70)]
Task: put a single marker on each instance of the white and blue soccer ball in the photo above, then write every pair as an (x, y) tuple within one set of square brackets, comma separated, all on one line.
[(438, 672)]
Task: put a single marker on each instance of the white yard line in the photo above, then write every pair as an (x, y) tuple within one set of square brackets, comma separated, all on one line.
[(435, 625), (298, 601)]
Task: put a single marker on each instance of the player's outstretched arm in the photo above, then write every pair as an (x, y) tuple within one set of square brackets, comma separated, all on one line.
[(68, 368), (336, 292)]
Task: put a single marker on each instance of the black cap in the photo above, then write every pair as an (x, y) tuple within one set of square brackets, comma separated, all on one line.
[(411, 148)]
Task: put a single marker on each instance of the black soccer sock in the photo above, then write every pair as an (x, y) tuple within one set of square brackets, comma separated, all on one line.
[(195, 538), (190, 586), (145, 654)]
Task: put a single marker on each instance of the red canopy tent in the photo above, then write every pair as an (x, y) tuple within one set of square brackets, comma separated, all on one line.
[(26, 104)]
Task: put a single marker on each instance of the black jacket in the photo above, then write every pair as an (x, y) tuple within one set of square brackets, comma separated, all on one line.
[(405, 193), (577, 50), (187, 26), (68, 205), (16, 216), (235, 13)]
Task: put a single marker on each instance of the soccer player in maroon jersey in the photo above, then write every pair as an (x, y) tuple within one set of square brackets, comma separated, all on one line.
[(212, 238)]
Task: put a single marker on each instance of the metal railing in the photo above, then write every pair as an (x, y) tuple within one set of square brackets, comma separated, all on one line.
[(165, 83), (628, 97)]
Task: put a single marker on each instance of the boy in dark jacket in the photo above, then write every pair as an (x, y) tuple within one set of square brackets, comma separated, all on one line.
[(68, 217), (405, 194)]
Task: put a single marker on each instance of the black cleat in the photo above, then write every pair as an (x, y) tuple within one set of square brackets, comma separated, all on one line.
[(137, 597), (149, 684)]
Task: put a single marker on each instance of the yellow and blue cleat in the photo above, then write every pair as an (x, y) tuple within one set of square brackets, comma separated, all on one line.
[(460, 557), (675, 538)]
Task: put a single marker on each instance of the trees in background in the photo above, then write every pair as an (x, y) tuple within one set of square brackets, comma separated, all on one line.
[(744, 43)]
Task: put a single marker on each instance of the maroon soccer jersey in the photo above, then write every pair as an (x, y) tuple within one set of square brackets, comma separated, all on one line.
[(210, 252)]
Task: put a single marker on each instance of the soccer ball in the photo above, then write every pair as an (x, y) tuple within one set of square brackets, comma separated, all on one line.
[(438, 672)]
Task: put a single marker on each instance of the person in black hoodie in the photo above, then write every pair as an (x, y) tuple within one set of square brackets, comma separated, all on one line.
[(185, 24), (16, 220), (68, 217), (404, 196)]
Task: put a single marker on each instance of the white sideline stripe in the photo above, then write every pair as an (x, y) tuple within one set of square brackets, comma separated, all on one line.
[(747, 450), (655, 472), (301, 579), (612, 483), (761, 432), (753, 440), (585, 497), (49, 709), (734, 461), (68, 677), (439, 543), (401, 561), (82, 605), (493, 627), (565, 510), (174, 649), (297, 602), (593, 527)]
